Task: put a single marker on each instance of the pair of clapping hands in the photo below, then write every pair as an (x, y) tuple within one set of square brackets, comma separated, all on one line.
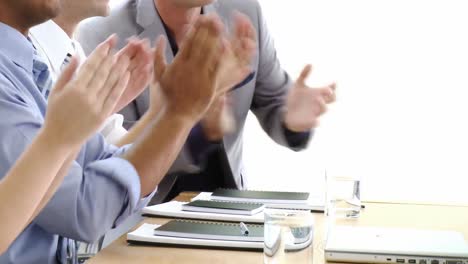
[(192, 88)]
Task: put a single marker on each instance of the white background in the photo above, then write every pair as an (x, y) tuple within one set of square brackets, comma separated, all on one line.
[(400, 122)]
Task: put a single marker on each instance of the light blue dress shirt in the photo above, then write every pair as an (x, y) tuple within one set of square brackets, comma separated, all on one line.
[(100, 190)]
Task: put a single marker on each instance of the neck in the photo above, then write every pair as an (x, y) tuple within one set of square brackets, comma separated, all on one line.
[(177, 17), (7, 18), (67, 24)]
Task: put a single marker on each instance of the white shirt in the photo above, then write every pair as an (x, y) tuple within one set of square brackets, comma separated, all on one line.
[(53, 44)]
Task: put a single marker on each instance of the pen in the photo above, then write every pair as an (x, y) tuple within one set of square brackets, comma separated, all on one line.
[(244, 229)]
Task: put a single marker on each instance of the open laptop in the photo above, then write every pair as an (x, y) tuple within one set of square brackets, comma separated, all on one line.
[(392, 245)]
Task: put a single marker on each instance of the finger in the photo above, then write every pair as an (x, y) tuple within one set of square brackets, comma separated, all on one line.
[(243, 24), (66, 76), (89, 68), (185, 50), (328, 94), (102, 74), (160, 63), (141, 56), (321, 107), (201, 43), (211, 49), (131, 49), (115, 94), (118, 70), (304, 75)]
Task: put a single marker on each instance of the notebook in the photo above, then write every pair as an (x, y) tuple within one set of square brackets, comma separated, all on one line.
[(260, 196), (312, 202), (211, 230), (224, 207), (173, 209), (395, 245), (144, 235)]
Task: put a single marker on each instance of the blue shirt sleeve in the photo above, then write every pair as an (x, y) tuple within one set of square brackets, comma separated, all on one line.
[(100, 190)]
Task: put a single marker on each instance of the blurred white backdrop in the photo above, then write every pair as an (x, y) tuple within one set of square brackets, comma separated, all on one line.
[(400, 121)]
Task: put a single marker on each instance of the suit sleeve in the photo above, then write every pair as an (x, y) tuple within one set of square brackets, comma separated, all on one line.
[(271, 90)]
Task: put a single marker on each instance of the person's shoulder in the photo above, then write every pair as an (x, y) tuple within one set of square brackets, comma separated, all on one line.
[(7, 68), (121, 21), (7, 76), (250, 8)]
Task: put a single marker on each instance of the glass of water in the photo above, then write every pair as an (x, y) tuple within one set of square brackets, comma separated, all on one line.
[(288, 236), (343, 197)]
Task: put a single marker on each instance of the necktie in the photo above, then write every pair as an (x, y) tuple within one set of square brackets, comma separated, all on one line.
[(41, 74)]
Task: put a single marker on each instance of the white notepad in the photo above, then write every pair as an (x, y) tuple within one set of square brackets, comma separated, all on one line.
[(174, 209), (145, 234)]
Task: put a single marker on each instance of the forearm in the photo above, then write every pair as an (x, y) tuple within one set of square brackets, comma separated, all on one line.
[(28, 181), (154, 152), (63, 171), (137, 130)]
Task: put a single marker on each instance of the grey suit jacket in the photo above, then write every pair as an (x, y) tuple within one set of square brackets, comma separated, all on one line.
[(264, 94)]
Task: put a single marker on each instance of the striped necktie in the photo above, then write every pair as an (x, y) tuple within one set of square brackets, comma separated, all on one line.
[(41, 74)]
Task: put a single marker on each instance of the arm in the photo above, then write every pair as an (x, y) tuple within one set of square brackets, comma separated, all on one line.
[(155, 107), (189, 86), (288, 111), (57, 181), (28, 181), (271, 89), (35, 177)]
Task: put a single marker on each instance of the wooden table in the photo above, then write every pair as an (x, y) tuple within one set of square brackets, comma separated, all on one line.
[(375, 214)]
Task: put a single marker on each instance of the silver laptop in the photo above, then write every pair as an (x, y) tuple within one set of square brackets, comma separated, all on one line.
[(392, 245)]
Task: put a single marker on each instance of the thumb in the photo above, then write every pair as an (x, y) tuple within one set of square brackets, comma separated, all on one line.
[(301, 81), (66, 75), (160, 63)]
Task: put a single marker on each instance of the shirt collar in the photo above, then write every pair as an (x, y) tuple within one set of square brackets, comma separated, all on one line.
[(146, 13), (54, 42), (17, 47)]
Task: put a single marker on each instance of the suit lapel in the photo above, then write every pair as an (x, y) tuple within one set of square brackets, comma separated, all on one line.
[(149, 19), (151, 28)]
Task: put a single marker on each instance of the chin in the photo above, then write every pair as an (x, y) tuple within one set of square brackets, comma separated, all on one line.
[(99, 10), (38, 14), (192, 3), (104, 10)]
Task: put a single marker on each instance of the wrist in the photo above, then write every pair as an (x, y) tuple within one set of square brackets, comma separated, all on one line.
[(178, 118), (181, 115), (54, 141), (292, 126)]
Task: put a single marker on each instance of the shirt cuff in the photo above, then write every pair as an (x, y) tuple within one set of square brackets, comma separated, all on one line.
[(128, 177), (199, 146), (296, 139), (144, 201)]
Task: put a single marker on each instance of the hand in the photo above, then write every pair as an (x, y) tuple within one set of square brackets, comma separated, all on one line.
[(141, 67), (156, 100), (218, 120), (190, 83), (238, 53), (305, 105), (78, 105)]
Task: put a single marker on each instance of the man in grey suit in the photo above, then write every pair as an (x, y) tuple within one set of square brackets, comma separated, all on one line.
[(288, 111)]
